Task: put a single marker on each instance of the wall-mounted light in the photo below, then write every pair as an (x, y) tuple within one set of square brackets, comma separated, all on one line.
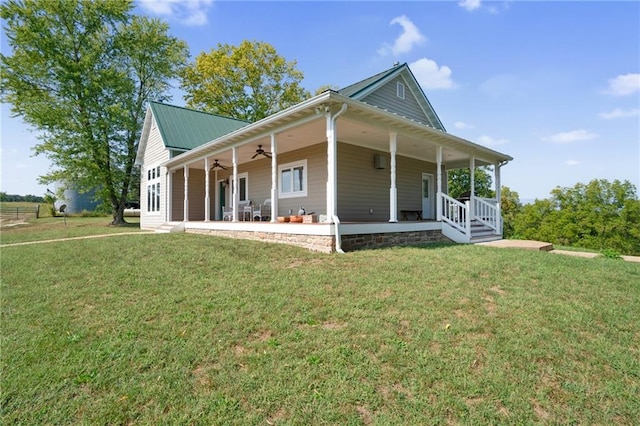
[(379, 161)]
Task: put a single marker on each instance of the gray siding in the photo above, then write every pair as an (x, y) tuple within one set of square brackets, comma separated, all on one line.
[(386, 98), (361, 187)]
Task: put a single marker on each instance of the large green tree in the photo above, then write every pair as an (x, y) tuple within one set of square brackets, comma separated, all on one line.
[(598, 215), (248, 82), (459, 182), (80, 73)]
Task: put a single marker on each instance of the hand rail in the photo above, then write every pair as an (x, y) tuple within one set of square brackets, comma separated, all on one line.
[(487, 213), (456, 214)]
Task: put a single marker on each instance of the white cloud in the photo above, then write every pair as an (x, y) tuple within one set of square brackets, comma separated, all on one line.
[(188, 12), (570, 137), (406, 41), (431, 76), (469, 4), (624, 85), (619, 113), (572, 162), (489, 141), (462, 125)]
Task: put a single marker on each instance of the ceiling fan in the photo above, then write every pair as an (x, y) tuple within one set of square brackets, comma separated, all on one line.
[(217, 165), (261, 151)]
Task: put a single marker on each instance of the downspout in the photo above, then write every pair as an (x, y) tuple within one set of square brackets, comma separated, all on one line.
[(336, 222), (332, 174)]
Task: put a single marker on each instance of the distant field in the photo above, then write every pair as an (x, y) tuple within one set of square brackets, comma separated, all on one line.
[(191, 329)]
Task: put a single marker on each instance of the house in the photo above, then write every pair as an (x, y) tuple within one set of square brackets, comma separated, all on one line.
[(369, 161)]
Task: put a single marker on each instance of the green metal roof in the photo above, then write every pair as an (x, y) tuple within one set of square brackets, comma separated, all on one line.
[(356, 88), (185, 129)]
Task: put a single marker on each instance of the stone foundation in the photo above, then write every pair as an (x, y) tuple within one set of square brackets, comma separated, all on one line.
[(320, 243), (326, 243), (391, 239)]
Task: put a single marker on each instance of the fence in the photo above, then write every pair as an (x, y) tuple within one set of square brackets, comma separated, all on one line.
[(19, 212)]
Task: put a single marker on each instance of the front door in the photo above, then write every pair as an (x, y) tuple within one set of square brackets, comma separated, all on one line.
[(427, 196)]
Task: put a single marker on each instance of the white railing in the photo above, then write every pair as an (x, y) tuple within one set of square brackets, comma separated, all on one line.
[(456, 214), (487, 211)]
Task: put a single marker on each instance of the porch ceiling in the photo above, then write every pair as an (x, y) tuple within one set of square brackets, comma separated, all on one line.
[(362, 125)]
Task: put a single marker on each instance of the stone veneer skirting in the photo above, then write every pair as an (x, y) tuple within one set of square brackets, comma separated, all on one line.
[(326, 243)]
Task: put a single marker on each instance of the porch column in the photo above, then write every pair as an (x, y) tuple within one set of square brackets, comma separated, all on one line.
[(234, 186), (274, 179), (496, 174), (216, 196), (439, 183), (185, 217), (472, 178), (332, 164), (207, 202), (168, 209), (332, 152), (393, 191)]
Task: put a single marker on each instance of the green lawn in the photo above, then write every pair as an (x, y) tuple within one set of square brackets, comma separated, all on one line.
[(190, 329)]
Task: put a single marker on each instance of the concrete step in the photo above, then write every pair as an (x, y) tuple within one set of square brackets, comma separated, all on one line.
[(168, 227)]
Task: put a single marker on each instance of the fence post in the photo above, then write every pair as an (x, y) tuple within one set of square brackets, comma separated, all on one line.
[(17, 212), (38, 211)]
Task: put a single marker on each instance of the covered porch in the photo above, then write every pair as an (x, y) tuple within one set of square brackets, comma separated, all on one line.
[(341, 160)]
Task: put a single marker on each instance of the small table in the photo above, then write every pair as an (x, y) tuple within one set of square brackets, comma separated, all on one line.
[(405, 214)]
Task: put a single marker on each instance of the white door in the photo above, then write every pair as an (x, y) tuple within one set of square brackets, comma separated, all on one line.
[(427, 196)]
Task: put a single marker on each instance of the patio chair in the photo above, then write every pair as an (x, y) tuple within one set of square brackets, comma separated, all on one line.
[(227, 213), (263, 211)]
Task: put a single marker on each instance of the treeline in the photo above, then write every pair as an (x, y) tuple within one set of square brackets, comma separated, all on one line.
[(600, 215), (23, 198)]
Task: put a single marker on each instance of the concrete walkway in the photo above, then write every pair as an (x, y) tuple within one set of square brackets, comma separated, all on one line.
[(542, 246), (76, 238)]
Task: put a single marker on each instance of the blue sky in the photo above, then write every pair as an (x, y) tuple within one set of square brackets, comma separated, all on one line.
[(556, 85)]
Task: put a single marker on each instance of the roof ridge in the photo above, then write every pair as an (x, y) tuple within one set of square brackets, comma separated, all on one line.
[(198, 111), (371, 79)]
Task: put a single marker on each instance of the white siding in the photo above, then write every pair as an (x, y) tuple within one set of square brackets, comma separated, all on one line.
[(154, 154)]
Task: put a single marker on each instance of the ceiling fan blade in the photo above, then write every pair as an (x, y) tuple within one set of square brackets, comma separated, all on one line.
[(267, 154), (255, 155)]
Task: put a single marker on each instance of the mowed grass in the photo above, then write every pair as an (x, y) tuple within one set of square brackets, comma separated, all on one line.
[(190, 329), (50, 228)]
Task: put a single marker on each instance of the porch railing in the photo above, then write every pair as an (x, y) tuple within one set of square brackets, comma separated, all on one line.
[(487, 212), (456, 214)]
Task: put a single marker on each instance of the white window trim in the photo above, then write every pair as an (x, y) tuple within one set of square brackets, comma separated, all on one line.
[(400, 90), (244, 176), (155, 181), (305, 182)]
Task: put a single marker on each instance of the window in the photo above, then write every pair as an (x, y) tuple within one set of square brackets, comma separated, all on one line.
[(293, 179), (153, 189), (400, 90), (243, 185)]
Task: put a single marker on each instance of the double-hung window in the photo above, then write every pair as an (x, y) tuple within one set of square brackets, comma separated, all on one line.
[(243, 180), (153, 189), (293, 179)]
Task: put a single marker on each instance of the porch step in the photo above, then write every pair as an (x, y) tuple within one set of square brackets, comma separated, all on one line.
[(168, 227), (482, 233)]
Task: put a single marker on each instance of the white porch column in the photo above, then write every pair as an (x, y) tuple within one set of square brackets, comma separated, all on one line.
[(168, 214), (332, 163), (216, 196), (274, 179), (234, 192), (496, 174), (185, 217), (207, 200), (439, 183), (472, 178), (332, 152), (393, 191)]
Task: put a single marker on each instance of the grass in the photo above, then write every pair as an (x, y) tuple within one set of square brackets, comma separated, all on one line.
[(190, 329), (50, 228)]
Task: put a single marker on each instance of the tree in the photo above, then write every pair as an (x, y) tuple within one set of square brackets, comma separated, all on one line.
[(248, 82), (80, 74), (510, 206), (459, 182), (599, 215)]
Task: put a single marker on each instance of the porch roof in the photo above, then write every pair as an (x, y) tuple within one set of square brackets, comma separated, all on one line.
[(362, 124)]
